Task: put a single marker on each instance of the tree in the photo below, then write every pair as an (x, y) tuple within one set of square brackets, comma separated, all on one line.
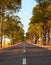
[(41, 18), (13, 29), (8, 8), (34, 31), (44, 5)]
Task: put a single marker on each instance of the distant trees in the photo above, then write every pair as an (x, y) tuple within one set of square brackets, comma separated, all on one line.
[(41, 20)]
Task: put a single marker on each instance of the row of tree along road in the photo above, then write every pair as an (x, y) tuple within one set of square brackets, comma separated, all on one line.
[(39, 26), (10, 24), (40, 23)]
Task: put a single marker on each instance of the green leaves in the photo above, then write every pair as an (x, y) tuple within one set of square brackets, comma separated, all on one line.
[(9, 7), (13, 29), (40, 22)]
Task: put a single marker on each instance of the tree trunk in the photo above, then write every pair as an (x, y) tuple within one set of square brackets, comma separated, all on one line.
[(44, 38), (36, 39), (48, 35), (44, 35)]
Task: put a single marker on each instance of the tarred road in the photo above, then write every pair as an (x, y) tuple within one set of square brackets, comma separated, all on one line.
[(34, 55)]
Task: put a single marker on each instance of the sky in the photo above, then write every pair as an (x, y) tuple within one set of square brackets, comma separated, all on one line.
[(26, 12)]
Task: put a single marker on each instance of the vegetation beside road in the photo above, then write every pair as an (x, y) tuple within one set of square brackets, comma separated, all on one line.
[(40, 23), (39, 45), (10, 24)]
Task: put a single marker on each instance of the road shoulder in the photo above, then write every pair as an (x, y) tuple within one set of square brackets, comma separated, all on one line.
[(40, 45)]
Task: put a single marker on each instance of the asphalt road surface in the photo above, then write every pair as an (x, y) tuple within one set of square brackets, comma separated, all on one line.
[(25, 54)]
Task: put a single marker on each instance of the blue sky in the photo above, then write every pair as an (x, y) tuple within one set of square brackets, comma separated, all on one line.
[(26, 12)]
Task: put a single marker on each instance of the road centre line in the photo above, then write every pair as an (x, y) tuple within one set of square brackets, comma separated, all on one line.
[(24, 61), (24, 50)]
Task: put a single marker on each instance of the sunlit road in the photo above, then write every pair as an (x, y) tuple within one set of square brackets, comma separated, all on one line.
[(25, 54)]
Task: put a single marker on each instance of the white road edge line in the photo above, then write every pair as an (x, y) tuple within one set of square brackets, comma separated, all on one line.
[(24, 61)]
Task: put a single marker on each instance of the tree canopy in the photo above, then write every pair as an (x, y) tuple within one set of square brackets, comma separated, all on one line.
[(41, 19)]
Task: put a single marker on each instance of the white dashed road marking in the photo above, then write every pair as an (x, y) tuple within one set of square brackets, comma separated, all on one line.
[(24, 50), (24, 61)]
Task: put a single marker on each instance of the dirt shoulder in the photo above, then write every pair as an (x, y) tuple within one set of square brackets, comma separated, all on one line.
[(40, 45), (10, 45)]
